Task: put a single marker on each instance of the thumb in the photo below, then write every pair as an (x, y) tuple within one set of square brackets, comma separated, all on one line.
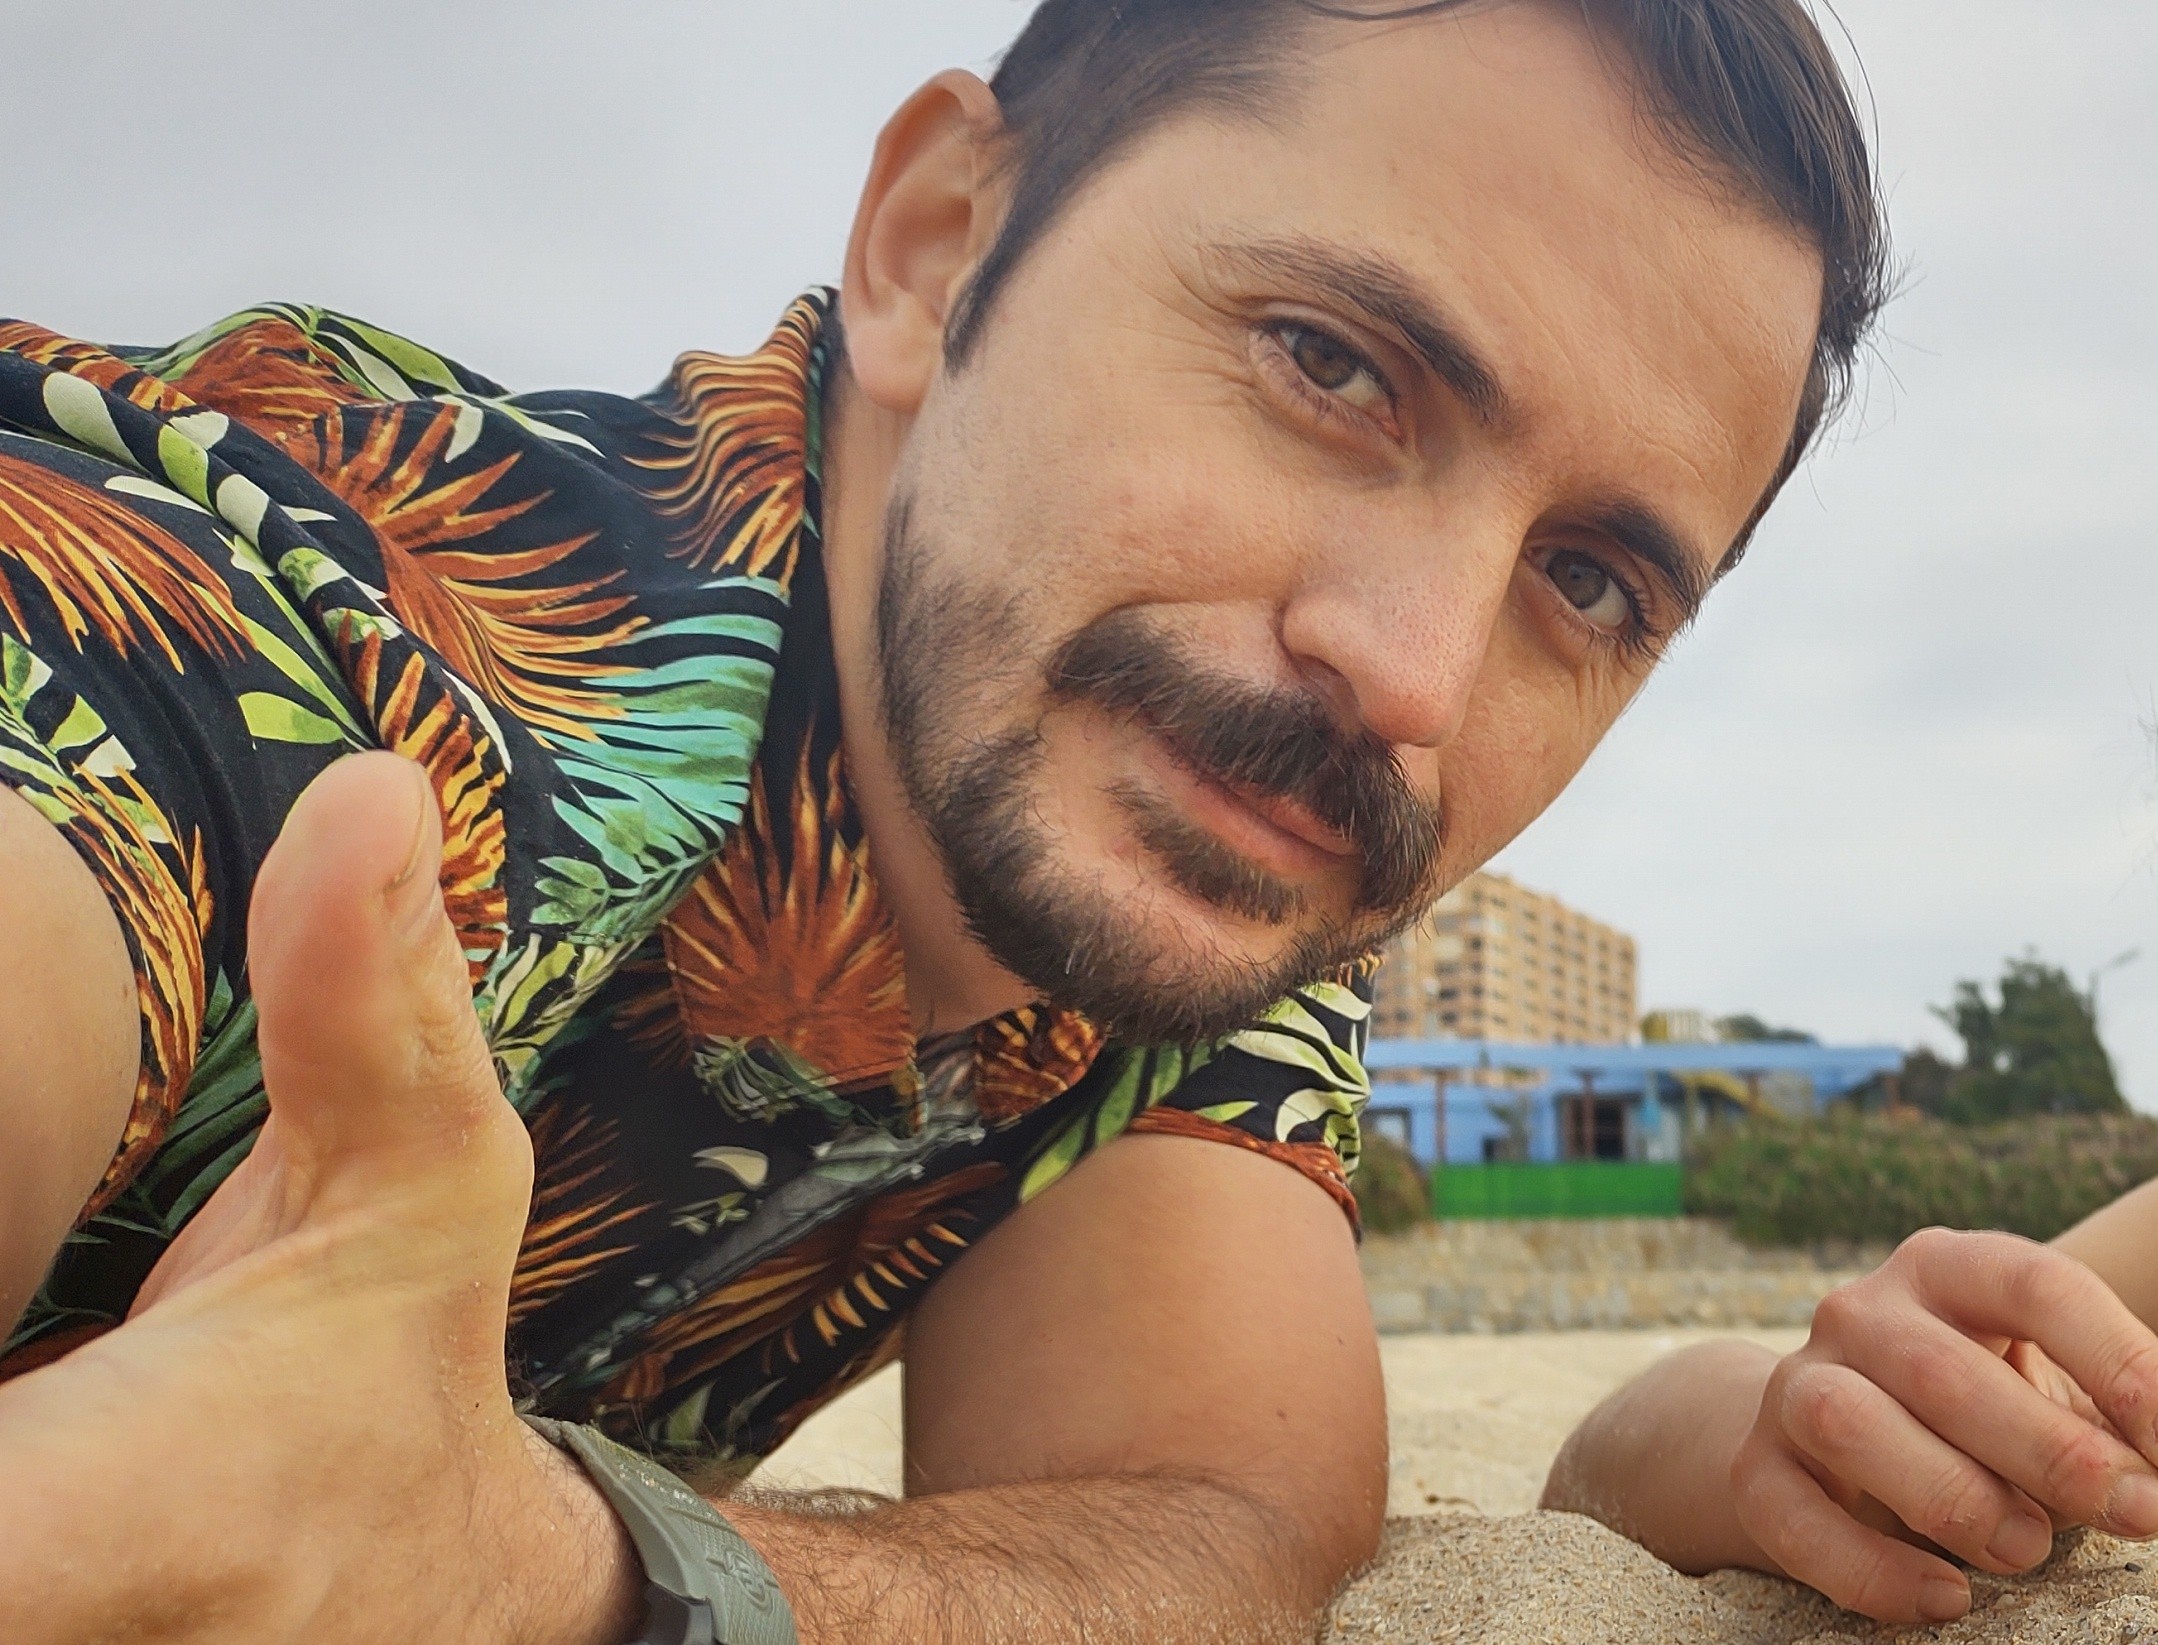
[(370, 1047)]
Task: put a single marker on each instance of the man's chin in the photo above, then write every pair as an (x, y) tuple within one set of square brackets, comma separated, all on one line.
[(1179, 972)]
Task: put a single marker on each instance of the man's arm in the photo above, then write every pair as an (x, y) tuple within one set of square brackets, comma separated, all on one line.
[(1653, 1461), (1147, 1407), (2120, 1245), (70, 1045)]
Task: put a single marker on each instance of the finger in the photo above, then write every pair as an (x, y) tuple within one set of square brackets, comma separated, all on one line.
[(1975, 1401), (2035, 1366), (1858, 1435), (2001, 1287), (368, 1037), (1792, 1520)]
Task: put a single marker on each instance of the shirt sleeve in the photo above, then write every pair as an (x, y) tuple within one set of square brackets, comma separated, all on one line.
[(146, 714), (74, 745), (1292, 1087)]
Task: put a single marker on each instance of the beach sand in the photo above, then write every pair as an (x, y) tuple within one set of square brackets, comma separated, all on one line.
[(1557, 1579), (1476, 1421)]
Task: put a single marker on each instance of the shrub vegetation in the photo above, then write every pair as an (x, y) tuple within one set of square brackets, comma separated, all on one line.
[(1391, 1192), (1882, 1177)]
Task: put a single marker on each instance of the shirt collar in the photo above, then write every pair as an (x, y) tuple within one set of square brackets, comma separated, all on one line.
[(786, 945)]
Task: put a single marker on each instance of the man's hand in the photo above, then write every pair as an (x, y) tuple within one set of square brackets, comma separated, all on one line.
[(1973, 1393), (1969, 1396), (1145, 1408), (305, 1431)]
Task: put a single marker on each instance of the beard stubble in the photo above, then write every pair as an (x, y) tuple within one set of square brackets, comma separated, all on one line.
[(943, 648)]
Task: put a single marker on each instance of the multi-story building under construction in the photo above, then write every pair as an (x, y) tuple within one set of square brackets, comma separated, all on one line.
[(1496, 961)]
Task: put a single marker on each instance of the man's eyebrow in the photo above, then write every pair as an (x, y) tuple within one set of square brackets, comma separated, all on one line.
[(1686, 574), (1389, 296)]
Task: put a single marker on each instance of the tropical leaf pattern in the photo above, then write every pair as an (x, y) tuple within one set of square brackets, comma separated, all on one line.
[(601, 626)]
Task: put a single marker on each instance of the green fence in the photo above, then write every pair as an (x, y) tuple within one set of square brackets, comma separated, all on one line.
[(1578, 1188)]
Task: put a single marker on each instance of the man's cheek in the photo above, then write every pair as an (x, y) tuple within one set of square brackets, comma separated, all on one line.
[(1499, 777), (1182, 525)]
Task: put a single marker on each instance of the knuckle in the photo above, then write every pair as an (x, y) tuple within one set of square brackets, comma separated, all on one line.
[(1869, 1585), (2079, 1471), (1750, 1498), (1931, 1245), (1824, 1408), (2129, 1388), (1842, 1312), (1753, 1474), (1934, 1379), (2033, 1276)]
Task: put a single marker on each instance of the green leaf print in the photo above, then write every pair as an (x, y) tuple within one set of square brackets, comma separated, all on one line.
[(414, 363), (186, 464), (1056, 1160), (308, 678), (280, 720)]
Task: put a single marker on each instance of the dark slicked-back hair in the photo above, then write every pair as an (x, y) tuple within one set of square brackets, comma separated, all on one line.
[(1748, 89)]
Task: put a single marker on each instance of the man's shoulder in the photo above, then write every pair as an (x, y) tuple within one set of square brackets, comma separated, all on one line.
[(280, 368), (267, 365), (342, 352)]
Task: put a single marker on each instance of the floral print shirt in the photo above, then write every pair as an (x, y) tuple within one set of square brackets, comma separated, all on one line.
[(600, 624)]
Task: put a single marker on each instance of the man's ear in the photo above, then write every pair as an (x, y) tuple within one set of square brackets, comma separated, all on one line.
[(928, 215)]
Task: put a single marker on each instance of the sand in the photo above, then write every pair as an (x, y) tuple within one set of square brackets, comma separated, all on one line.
[(1476, 1421), (1557, 1579)]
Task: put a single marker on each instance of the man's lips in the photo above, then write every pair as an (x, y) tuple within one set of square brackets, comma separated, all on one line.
[(1281, 835), (1295, 817)]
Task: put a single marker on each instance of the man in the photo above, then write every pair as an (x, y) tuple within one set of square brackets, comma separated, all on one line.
[(913, 804)]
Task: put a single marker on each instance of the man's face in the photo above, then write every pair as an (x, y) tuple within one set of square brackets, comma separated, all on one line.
[(1313, 501)]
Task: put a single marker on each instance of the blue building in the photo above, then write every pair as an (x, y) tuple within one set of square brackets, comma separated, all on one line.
[(1473, 1102)]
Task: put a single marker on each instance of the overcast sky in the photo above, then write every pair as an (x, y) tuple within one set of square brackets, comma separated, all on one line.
[(1911, 738)]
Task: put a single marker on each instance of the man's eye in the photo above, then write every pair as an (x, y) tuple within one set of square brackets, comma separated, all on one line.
[(1337, 368), (1591, 590)]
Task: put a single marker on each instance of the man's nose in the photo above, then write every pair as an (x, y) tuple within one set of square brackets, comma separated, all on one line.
[(1397, 636)]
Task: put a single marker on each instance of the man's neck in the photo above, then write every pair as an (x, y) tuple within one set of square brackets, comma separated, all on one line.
[(952, 982)]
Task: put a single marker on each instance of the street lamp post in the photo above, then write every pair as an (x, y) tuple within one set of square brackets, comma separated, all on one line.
[(2126, 957)]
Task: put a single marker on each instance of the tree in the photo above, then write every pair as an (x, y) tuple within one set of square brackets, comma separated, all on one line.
[(2034, 1051), (1928, 1083), (1748, 1029), (1924, 1083)]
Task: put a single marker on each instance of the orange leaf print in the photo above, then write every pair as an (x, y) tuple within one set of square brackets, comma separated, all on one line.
[(468, 786), (1025, 1058), (796, 949), (649, 1012), (853, 1271), (1312, 1159), (857, 1369), (104, 566), (49, 1349), (110, 822), (733, 484), (567, 1236), (534, 650), (92, 364), (270, 375)]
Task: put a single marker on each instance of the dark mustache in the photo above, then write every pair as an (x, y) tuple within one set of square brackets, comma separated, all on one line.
[(1278, 744)]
